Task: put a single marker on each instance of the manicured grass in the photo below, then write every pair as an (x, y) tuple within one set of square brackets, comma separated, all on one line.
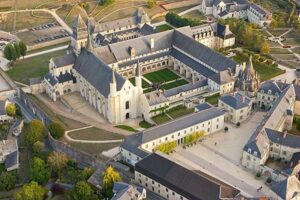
[(48, 47), (94, 134), (267, 73), (160, 119), (180, 111), (290, 64), (292, 41), (292, 34), (144, 83), (181, 9), (174, 84), (32, 67), (213, 99), (284, 56), (164, 27), (163, 75), (125, 127), (145, 124), (279, 51), (278, 32), (296, 50), (274, 44)]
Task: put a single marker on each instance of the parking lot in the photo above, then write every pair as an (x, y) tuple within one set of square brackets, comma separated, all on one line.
[(42, 33)]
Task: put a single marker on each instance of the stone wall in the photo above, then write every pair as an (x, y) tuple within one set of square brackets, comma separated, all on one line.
[(181, 4)]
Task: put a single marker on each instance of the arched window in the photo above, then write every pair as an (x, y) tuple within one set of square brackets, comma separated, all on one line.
[(127, 105)]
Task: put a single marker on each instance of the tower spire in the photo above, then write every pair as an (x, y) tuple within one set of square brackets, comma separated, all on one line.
[(113, 78), (89, 40), (138, 70)]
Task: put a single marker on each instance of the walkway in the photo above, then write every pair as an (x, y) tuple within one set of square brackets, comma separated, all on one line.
[(60, 109), (45, 52), (88, 141)]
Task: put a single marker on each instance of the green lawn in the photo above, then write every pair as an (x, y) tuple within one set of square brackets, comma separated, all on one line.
[(284, 56), (125, 127), (163, 75), (94, 134), (292, 41), (36, 66), (180, 111), (144, 83), (292, 34), (174, 84), (290, 64), (279, 51), (160, 119), (145, 124), (296, 50), (213, 99), (48, 47), (195, 14), (164, 27), (277, 32), (181, 9)]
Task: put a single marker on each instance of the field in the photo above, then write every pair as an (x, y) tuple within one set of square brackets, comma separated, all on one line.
[(292, 34), (26, 20), (163, 75), (195, 14), (36, 66), (279, 51), (296, 50), (285, 56), (94, 134), (292, 41), (277, 32), (181, 9)]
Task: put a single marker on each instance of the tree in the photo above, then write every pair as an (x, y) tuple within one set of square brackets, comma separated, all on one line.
[(38, 146), (151, 3), (8, 181), (11, 109), (81, 191), (57, 161), (17, 48), (106, 2), (226, 129), (56, 130), (264, 48), (23, 48), (36, 132), (39, 171), (10, 52), (110, 176), (31, 191), (238, 124)]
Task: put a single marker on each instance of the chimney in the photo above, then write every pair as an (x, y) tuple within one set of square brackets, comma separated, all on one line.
[(152, 43)]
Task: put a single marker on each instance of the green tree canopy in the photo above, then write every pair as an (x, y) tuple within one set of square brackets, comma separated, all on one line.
[(38, 146), (56, 130), (23, 48), (36, 132), (17, 48), (8, 180), (11, 109), (151, 3), (110, 176), (81, 191), (10, 52), (39, 171), (57, 161), (31, 191)]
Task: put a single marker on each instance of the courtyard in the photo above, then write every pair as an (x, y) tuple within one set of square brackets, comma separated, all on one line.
[(219, 155)]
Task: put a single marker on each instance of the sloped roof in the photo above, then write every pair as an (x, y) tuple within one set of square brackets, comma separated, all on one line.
[(64, 60), (280, 188), (234, 102), (79, 23), (97, 73), (288, 140), (222, 77), (187, 183)]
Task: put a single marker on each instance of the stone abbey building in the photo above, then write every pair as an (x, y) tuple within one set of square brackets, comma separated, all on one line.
[(101, 72)]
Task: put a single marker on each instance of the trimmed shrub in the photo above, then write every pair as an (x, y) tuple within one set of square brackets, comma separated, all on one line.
[(56, 130)]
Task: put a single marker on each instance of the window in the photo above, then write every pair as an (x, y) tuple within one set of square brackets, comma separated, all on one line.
[(217, 126), (127, 104), (153, 182), (178, 134), (208, 129), (166, 138), (167, 190), (173, 193), (127, 116)]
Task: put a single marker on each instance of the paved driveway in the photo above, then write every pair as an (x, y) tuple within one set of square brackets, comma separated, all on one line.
[(222, 161)]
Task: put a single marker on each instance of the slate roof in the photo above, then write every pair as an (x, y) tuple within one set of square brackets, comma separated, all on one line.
[(297, 92), (53, 80), (79, 23), (33, 81), (203, 106), (185, 88), (50, 79), (97, 73), (259, 9), (11, 159), (192, 63), (132, 142), (280, 188), (275, 87), (180, 123), (189, 184), (64, 60), (197, 50), (288, 140), (2, 108), (222, 77), (234, 102), (155, 98)]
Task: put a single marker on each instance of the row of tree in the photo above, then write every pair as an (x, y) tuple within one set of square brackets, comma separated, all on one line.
[(245, 35), (167, 147), (193, 137), (179, 21), (14, 51)]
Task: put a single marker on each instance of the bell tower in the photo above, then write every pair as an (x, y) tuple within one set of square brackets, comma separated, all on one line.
[(80, 35)]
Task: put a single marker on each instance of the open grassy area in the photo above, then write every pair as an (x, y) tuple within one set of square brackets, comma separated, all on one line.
[(180, 111), (284, 56), (36, 66), (296, 50), (160, 119), (94, 134), (292, 34), (290, 64), (213, 99), (277, 32), (279, 51), (164, 27), (145, 124), (26, 20), (144, 83), (125, 127), (292, 41), (195, 14), (163, 75), (181, 9), (173, 84), (48, 47)]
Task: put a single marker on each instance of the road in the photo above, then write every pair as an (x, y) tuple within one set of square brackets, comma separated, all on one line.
[(53, 13)]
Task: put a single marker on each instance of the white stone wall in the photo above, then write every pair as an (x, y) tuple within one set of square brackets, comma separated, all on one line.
[(129, 157), (234, 115)]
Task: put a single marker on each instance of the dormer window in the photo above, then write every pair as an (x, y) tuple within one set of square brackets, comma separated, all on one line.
[(269, 92), (249, 150)]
